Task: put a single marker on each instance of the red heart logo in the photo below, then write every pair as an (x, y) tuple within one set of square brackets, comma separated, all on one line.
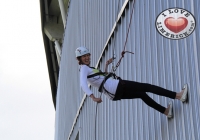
[(176, 25)]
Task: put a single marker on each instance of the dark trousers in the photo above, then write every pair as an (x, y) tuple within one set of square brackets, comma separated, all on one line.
[(131, 90)]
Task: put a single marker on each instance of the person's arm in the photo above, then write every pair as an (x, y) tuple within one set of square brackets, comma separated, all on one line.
[(98, 100), (83, 80), (84, 86), (107, 63)]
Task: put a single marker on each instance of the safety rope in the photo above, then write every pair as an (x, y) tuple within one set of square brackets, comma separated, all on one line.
[(113, 68), (96, 118), (127, 34), (113, 50), (122, 55)]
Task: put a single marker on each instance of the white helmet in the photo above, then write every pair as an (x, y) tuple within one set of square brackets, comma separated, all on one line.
[(80, 51)]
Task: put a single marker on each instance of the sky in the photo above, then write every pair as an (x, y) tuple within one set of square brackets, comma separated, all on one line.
[(26, 107)]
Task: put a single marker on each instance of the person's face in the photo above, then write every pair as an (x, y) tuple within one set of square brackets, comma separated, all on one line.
[(85, 59)]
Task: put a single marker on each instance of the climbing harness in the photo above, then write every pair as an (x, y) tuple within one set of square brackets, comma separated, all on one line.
[(106, 76)]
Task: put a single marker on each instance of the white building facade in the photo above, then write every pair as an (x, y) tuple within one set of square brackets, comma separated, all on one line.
[(102, 27)]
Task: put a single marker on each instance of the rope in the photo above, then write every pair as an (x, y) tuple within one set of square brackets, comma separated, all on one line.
[(115, 39), (112, 67), (127, 34), (122, 55), (96, 117)]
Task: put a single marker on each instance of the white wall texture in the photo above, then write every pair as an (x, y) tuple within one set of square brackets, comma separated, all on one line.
[(157, 60)]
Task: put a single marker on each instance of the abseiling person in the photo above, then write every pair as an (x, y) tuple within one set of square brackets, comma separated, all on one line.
[(116, 89)]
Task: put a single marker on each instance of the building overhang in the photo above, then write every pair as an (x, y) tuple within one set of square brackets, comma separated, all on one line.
[(52, 28)]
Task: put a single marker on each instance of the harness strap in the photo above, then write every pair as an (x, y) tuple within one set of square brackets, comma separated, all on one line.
[(96, 74), (101, 87), (103, 82)]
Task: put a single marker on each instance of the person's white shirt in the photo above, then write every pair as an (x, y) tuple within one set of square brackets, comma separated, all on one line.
[(110, 85)]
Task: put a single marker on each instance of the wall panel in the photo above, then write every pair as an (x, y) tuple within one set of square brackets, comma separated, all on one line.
[(157, 60)]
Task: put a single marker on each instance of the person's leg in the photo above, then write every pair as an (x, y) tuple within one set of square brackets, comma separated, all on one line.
[(142, 95), (133, 90), (137, 90), (145, 87), (150, 102)]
